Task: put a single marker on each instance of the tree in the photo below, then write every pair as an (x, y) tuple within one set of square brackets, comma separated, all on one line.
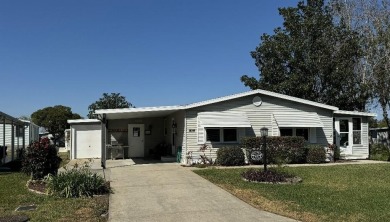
[(23, 117), (371, 19), (108, 101), (311, 57), (54, 119)]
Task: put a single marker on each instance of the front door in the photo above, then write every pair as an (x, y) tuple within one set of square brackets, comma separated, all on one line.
[(136, 140), (344, 135)]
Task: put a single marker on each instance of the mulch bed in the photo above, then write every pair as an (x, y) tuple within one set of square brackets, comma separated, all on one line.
[(37, 186)]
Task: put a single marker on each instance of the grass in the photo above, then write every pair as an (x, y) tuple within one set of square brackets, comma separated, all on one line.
[(331, 193), (13, 192)]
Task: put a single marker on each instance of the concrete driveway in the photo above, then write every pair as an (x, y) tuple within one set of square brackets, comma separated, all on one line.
[(169, 192)]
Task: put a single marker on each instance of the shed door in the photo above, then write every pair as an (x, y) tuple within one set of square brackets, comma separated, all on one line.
[(136, 140), (88, 142)]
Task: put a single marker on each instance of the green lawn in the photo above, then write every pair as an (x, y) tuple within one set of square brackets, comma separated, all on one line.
[(13, 192), (327, 193)]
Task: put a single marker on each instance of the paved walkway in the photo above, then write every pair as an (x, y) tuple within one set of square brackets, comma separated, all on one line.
[(169, 192)]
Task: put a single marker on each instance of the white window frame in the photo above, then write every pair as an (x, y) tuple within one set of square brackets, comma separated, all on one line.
[(361, 130), (221, 135), (294, 132)]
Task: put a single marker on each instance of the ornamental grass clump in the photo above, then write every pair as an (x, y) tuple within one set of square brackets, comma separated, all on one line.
[(40, 159), (77, 182)]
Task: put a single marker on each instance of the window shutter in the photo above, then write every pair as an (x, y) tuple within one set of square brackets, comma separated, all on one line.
[(313, 135), (201, 133)]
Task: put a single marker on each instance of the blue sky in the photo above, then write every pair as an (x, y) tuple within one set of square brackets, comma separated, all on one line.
[(153, 52)]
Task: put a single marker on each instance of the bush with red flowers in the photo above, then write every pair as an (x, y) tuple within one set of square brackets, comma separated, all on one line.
[(40, 159)]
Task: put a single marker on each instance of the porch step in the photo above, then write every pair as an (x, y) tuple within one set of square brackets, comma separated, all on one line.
[(352, 157)]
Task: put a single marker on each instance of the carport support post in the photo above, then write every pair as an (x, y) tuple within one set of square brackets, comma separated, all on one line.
[(12, 140), (3, 160), (24, 138), (104, 152)]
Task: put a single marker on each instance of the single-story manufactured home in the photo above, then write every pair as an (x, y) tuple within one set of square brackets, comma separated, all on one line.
[(15, 133), (218, 122), (379, 136)]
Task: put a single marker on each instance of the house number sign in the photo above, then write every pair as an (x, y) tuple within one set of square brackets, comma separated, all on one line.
[(256, 155)]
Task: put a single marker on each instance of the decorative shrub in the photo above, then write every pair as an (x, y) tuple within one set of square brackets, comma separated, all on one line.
[(40, 159), (315, 154), (230, 156), (379, 152), (77, 182), (280, 149), (271, 176)]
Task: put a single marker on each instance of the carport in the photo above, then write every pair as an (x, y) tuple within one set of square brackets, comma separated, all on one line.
[(142, 132), (10, 128)]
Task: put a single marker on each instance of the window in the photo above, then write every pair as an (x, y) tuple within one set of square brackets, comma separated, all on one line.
[(19, 131), (357, 130), (220, 135), (229, 135), (213, 135), (286, 132), (304, 132)]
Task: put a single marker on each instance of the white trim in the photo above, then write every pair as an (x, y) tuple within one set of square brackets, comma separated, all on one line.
[(221, 134), (140, 109), (355, 113), (361, 132), (73, 121)]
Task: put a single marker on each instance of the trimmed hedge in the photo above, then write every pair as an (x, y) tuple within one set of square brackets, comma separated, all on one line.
[(379, 152), (281, 149), (315, 154), (230, 156)]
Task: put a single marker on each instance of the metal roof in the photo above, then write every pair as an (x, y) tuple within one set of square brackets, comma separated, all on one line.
[(260, 91), (75, 121), (166, 110), (141, 112), (354, 113), (223, 119), (298, 119), (9, 119)]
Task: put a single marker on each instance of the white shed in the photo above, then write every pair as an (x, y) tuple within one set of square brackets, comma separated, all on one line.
[(86, 138)]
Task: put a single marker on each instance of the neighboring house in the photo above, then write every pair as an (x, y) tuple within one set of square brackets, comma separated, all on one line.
[(379, 136), (14, 134), (27, 129), (220, 122)]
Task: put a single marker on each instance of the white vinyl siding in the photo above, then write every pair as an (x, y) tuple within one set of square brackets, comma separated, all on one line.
[(31, 133), (258, 117)]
